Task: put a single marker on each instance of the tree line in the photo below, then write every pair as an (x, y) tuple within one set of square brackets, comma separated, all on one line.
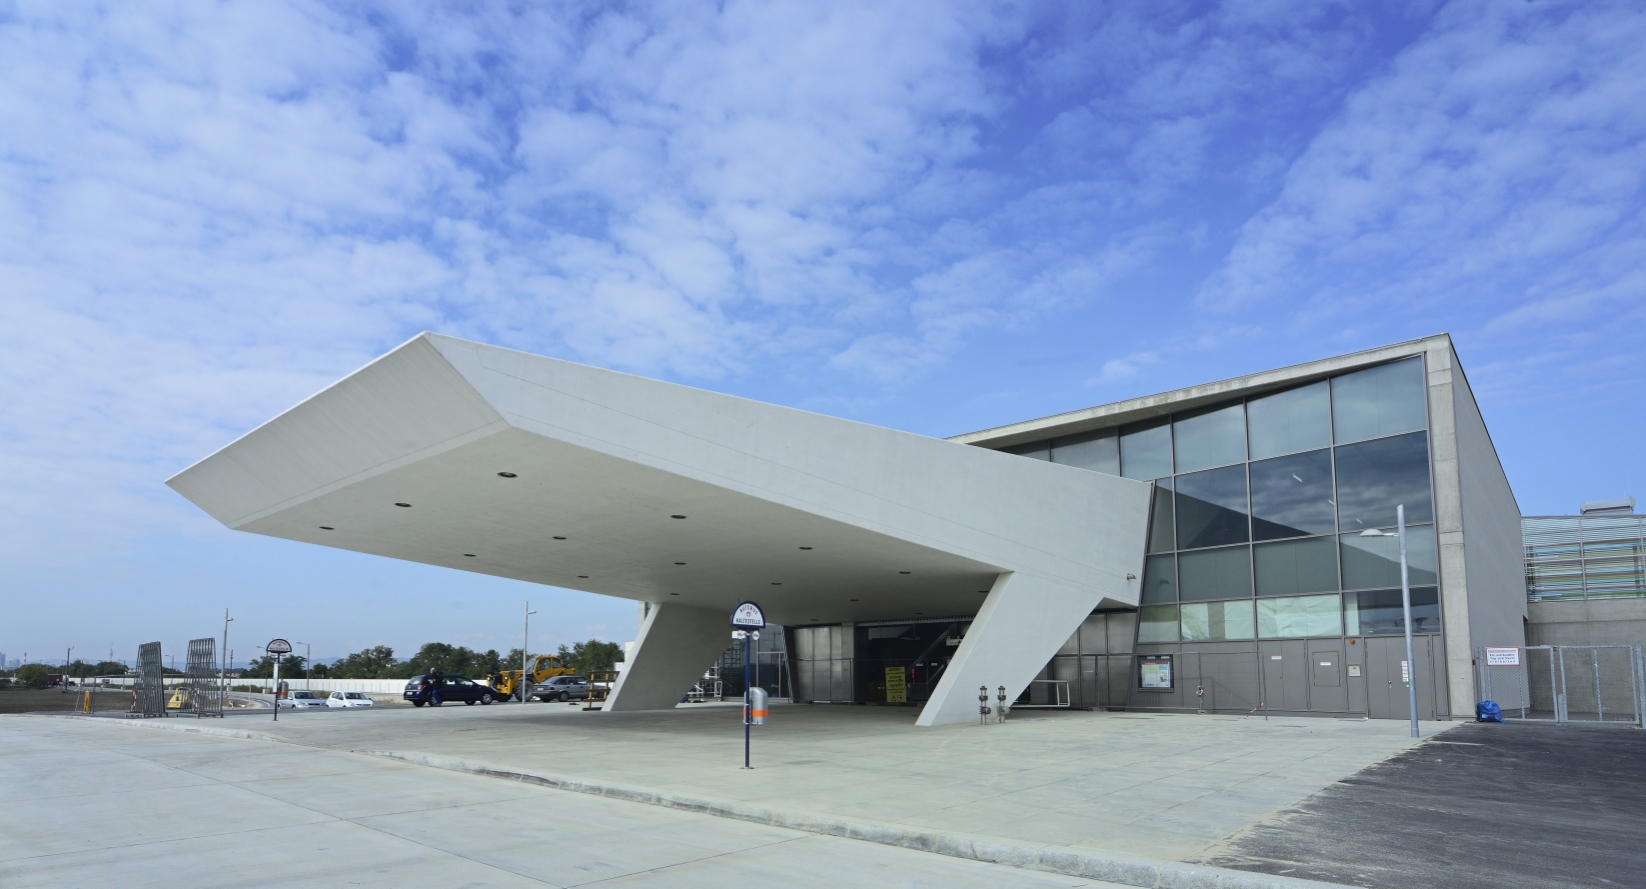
[(379, 662)]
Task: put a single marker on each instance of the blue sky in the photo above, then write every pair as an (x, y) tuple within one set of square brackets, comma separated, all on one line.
[(937, 217)]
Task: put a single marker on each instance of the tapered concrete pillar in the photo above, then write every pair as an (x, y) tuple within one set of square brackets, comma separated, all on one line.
[(1023, 623), (676, 644)]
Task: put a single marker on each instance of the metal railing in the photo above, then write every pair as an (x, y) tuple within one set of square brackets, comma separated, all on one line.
[(1051, 693), (1566, 683)]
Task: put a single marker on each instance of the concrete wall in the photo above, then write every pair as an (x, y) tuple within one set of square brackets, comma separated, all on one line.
[(1491, 523), (1587, 622), (370, 686)]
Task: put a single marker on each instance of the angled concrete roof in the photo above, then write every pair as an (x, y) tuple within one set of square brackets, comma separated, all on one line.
[(818, 518)]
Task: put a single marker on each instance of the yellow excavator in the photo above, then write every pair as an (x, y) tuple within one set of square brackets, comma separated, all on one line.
[(506, 683)]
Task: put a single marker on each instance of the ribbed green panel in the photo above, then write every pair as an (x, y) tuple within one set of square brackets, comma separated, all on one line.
[(1584, 557)]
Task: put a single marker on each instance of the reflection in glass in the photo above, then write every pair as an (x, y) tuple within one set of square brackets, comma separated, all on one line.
[(1214, 574), (1146, 449), (1378, 401), (1097, 451), (1286, 422), (1039, 450), (1373, 477), (1370, 562), (1211, 508), (1204, 621), (1378, 612), (1298, 617), (1295, 566), (1157, 623), (1160, 579), (1160, 524), (1214, 436), (1292, 496)]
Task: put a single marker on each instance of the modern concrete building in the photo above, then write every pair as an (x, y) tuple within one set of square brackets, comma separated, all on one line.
[(1586, 576), (1204, 540)]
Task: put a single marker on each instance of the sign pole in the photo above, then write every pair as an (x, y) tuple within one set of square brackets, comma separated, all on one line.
[(748, 698), (276, 648), (747, 622)]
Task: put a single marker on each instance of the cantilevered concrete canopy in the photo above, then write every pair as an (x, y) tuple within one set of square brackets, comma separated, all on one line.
[(483, 459)]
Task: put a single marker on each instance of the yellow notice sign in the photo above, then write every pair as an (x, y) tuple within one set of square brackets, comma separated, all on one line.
[(897, 685)]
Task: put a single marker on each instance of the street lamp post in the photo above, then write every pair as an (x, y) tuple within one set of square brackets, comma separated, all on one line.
[(1406, 610), (525, 646), (308, 665), (223, 674)]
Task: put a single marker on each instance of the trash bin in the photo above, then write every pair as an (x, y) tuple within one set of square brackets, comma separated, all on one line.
[(757, 706)]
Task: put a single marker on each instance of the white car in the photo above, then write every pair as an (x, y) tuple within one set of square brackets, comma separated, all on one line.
[(303, 700), (348, 699)]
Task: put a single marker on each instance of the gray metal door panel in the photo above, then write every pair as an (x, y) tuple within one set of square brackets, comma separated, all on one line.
[(1354, 661), (1327, 690), (1386, 691), (1230, 680), (1285, 675)]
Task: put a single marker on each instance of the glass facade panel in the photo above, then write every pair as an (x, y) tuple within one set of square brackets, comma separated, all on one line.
[(1213, 436), (1039, 450), (1292, 496), (1295, 566), (1157, 623), (1206, 621), (1097, 451), (1379, 401), (1211, 508), (1371, 562), (1161, 538), (1378, 612), (1291, 421), (1576, 557), (1146, 449), (1215, 574), (1612, 577), (1375, 476), (1160, 580), (1298, 617), (1555, 580)]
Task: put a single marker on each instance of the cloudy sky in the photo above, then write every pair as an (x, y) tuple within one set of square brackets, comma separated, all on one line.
[(937, 217)]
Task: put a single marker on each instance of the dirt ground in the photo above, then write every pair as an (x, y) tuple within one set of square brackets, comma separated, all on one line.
[(56, 700)]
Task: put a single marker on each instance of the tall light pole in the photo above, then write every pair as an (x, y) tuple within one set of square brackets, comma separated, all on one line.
[(66, 660), (223, 674), (308, 666), (525, 645), (1406, 609)]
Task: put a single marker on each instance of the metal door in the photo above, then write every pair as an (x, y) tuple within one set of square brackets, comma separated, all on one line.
[(1230, 679), (1328, 693), (1385, 685), (1285, 668), (1354, 679)]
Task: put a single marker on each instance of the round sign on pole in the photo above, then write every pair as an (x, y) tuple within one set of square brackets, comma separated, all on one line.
[(278, 646), (748, 616)]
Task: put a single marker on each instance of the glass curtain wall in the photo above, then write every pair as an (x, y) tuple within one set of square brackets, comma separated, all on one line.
[(1584, 557), (1260, 503)]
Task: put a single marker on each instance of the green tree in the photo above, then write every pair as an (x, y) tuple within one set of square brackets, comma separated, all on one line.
[(376, 662), (585, 657), (291, 667), (31, 676), (452, 660), (109, 668)]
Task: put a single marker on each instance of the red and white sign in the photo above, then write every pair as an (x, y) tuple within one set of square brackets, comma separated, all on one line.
[(1502, 657)]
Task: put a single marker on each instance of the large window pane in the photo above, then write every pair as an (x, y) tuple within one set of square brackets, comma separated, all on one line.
[(1157, 623), (1370, 562), (1160, 580), (1287, 422), (1205, 621), (1039, 450), (1214, 574), (1161, 538), (1379, 401), (1214, 436), (1378, 612), (1211, 508), (1097, 451), (1146, 449), (1297, 617), (1292, 496), (1374, 476), (1295, 566)]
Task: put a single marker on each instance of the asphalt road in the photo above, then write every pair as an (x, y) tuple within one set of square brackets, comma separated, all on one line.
[(1480, 807)]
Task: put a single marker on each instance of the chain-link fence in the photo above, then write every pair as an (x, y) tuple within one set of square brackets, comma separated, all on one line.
[(1566, 683)]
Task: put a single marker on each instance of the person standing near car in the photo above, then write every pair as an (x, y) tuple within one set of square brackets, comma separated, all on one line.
[(435, 679)]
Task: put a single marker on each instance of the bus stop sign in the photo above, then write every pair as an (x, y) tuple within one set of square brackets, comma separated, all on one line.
[(747, 616)]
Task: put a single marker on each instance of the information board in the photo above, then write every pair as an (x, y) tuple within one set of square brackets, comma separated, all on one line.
[(897, 685), (1502, 657), (1155, 671)]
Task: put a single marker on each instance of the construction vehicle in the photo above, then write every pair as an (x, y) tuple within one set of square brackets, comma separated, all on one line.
[(506, 683)]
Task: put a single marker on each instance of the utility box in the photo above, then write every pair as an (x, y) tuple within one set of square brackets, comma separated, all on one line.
[(757, 706)]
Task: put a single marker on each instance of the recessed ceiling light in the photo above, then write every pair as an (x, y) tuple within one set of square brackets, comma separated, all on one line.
[(674, 594), (327, 528), (560, 538), (856, 600), (508, 475), (920, 612), (677, 517), (805, 547), (984, 592), (777, 584), (470, 555), (680, 563), (582, 577), (902, 572), (406, 505)]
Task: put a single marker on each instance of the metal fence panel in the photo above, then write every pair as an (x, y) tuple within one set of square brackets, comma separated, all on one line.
[(1569, 683), (151, 682), (203, 697)]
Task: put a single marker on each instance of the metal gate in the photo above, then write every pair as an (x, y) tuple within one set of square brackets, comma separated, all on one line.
[(205, 697), (149, 697), (1566, 683)]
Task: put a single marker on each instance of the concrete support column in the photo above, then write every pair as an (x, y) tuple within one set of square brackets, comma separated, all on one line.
[(1023, 623), (675, 645)]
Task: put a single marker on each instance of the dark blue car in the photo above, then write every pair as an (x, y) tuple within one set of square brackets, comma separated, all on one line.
[(452, 690)]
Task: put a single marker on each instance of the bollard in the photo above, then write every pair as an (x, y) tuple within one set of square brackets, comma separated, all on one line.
[(983, 704), (1000, 712)]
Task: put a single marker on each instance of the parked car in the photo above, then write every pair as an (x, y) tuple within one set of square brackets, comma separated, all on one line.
[(562, 688), (347, 699), (452, 690), (303, 700)]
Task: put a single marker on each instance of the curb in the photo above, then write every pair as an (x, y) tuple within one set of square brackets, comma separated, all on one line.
[(1130, 871)]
